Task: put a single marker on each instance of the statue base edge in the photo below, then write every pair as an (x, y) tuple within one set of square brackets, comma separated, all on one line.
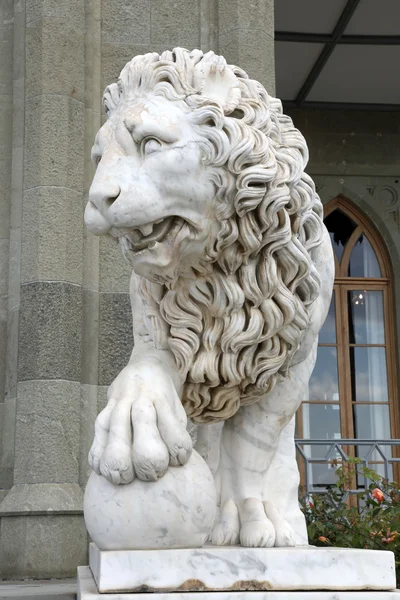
[(87, 590), (237, 569)]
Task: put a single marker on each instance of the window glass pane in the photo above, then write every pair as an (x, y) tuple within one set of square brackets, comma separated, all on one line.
[(340, 228), (366, 325), (320, 476), (321, 421), (324, 379), (371, 421), (368, 374), (327, 334), (363, 261)]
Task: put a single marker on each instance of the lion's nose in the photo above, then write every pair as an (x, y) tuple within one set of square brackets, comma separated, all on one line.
[(102, 197)]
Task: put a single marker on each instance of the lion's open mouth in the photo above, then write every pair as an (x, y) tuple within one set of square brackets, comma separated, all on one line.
[(147, 236)]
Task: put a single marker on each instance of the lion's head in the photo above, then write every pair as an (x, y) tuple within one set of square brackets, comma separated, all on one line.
[(201, 178)]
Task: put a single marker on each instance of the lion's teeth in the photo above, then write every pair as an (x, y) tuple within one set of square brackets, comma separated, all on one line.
[(134, 236), (146, 229)]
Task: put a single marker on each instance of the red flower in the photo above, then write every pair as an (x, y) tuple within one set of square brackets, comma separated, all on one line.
[(322, 539), (378, 495)]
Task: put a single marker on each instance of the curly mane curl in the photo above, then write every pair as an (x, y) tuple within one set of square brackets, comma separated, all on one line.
[(235, 328)]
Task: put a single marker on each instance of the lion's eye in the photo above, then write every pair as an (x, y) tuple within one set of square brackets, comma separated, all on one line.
[(150, 145)]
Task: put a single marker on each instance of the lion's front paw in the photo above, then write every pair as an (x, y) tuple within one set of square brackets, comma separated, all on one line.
[(139, 435)]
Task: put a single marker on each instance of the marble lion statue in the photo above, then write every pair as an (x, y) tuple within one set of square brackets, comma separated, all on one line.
[(200, 177)]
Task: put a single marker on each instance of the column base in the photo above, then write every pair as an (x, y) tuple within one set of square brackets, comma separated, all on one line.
[(42, 531)]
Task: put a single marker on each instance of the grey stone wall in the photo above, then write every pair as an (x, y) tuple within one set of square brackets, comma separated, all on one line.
[(65, 323)]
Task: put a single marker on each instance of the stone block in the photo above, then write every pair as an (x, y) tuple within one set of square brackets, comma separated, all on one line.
[(170, 24), (7, 424), (45, 547), (6, 12), (115, 337), (50, 331), (6, 52), (12, 349), (88, 416), (115, 272), (242, 48), (52, 230), (5, 189), (361, 154), (90, 337), (126, 21), (115, 56), (6, 126), (5, 193), (17, 182), (221, 568), (246, 14), (345, 121), (5, 130), (47, 432), (54, 142), (101, 397), (6, 477), (4, 245), (55, 58), (18, 113), (19, 40), (71, 10), (43, 499), (90, 260), (3, 358), (87, 590)]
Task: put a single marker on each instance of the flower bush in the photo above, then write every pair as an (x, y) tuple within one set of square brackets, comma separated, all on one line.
[(336, 518)]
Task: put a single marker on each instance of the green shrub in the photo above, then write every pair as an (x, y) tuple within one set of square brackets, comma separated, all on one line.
[(333, 519)]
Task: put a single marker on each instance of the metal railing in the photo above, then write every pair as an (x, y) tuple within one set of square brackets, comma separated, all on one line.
[(374, 458)]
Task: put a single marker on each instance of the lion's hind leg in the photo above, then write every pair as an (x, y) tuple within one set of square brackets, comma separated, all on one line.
[(284, 533)]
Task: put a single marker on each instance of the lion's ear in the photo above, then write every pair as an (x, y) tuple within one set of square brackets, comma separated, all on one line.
[(214, 79)]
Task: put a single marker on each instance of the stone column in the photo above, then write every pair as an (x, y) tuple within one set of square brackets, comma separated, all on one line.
[(42, 529), (246, 37), (7, 404), (66, 301)]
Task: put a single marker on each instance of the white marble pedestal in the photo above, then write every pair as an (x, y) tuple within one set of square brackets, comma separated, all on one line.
[(236, 573)]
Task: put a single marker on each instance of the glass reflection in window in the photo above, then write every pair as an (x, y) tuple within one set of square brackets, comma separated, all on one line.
[(366, 324), (363, 261), (324, 379), (368, 374)]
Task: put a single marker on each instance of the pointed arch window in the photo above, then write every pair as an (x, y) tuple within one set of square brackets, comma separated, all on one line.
[(353, 388)]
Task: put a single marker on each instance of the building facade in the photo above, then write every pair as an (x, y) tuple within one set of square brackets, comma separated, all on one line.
[(65, 323)]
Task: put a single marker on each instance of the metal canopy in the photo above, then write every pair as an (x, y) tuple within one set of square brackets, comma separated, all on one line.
[(338, 53)]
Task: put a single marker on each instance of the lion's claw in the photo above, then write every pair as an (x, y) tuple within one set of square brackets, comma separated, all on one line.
[(140, 436)]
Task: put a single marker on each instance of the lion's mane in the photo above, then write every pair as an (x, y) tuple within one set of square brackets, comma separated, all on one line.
[(235, 328)]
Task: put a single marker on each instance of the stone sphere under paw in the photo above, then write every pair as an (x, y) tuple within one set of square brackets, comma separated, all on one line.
[(176, 511)]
